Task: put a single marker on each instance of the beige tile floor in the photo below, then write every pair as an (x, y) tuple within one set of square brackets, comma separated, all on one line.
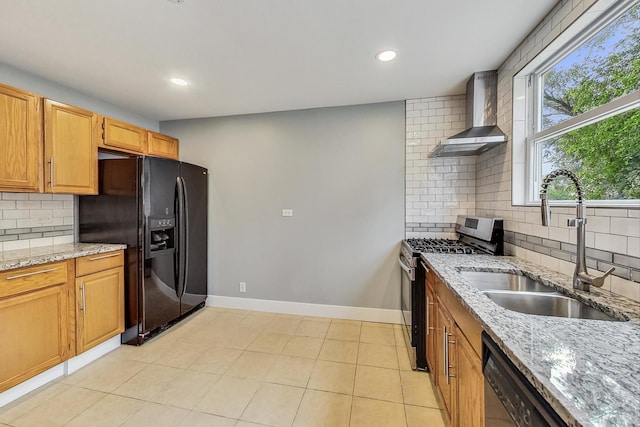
[(239, 368)]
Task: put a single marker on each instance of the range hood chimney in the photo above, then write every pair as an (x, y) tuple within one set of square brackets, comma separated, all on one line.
[(482, 131)]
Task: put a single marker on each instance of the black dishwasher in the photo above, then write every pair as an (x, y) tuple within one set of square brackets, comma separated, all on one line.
[(509, 398)]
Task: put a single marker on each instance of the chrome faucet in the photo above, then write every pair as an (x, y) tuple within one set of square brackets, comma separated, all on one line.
[(581, 277)]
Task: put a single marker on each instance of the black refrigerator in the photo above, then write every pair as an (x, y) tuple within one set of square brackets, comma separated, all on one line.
[(158, 208)]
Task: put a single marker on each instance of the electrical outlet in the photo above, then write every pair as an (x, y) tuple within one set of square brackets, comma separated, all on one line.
[(44, 218), (243, 287), (287, 212)]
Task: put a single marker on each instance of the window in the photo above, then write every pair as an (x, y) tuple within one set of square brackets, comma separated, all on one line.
[(583, 111)]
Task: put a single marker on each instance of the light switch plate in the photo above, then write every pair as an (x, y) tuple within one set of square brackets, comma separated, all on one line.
[(287, 212)]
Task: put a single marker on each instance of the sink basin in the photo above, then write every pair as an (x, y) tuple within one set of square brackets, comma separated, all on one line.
[(486, 280), (546, 304)]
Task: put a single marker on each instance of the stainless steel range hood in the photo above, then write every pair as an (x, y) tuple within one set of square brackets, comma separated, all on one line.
[(482, 132)]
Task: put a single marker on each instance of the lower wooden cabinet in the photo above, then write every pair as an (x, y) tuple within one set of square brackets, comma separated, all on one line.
[(45, 319), (100, 307), (445, 360), (470, 384), (454, 357), (99, 299), (34, 316)]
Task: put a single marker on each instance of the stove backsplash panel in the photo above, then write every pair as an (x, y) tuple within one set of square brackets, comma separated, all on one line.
[(440, 189)]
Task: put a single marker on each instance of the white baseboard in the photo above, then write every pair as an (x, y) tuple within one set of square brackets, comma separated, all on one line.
[(64, 368), (89, 356), (306, 309), (31, 384)]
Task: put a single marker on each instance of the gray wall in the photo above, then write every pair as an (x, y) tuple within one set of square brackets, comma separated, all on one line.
[(21, 79), (340, 169)]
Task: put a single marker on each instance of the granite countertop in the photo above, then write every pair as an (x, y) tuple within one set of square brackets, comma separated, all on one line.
[(45, 254), (588, 370)]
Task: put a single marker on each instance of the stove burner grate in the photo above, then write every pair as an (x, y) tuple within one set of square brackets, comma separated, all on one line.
[(445, 246)]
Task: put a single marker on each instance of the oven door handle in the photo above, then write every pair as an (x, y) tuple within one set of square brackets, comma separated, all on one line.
[(426, 270), (409, 270)]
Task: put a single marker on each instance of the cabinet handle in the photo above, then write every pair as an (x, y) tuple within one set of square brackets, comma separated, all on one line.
[(17, 276), (83, 308), (445, 350), (103, 257), (449, 374), (51, 171)]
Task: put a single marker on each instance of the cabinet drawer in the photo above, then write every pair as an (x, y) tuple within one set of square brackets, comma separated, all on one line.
[(98, 262), (19, 280)]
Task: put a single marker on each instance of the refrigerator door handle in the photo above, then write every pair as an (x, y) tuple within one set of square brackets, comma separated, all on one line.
[(179, 264), (184, 237)]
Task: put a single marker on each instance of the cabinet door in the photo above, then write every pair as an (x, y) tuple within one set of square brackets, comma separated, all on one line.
[(162, 146), (33, 333), (70, 149), (445, 359), (123, 136), (470, 384), (431, 328), (100, 307), (20, 141)]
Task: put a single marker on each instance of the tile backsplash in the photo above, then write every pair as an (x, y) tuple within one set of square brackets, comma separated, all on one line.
[(437, 189), (31, 220)]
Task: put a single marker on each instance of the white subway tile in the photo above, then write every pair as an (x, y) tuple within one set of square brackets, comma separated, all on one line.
[(15, 196), (625, 226), (28, 204), (15, 245), (15, 214), (40, 196), (610, 242), (625, 288), (633, 246)]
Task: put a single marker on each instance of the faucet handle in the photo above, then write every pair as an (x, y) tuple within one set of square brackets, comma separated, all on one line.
[(599, 281), (574, 222)]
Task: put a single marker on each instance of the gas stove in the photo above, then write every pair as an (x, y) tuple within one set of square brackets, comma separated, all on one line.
[(476, 235)]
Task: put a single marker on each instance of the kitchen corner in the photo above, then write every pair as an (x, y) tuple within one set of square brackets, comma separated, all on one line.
[(585, 369)]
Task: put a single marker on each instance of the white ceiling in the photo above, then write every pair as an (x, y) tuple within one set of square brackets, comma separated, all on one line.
[(249, 56)]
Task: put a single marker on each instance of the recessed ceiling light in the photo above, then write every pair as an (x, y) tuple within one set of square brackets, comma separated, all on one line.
[(180, 82), (386, 55)]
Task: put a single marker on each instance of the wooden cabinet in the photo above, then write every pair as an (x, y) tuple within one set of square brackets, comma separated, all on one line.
[(122, 136), (453, 353), (70, 149), (162, 146), (20, 140), (99, 299), (34, 315), (470, 384), (445, 359)]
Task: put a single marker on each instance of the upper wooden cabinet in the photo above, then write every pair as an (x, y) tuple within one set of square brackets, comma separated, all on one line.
[(122, 136), (20, 140), (162, 146), (70, 149)]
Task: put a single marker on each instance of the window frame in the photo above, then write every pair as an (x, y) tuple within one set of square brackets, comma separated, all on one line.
[(527, 119)]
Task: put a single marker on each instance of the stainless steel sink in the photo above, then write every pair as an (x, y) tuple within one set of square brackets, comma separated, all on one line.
[(486, 280), (546, 304)]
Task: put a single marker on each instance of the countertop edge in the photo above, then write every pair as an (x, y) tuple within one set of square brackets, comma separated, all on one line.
[(10, 260)]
